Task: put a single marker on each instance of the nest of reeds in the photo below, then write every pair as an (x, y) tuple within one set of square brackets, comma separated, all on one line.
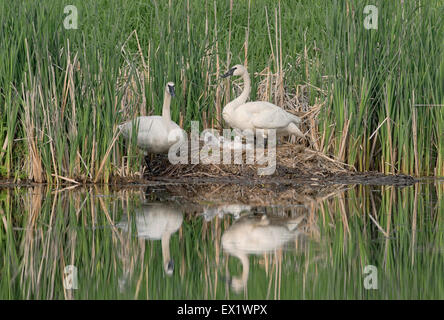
[(292, 161), (295, 165)]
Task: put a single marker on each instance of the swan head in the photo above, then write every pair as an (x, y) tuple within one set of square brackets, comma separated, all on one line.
[(169, 268), (237, 284), (169, 88), (236, 70)]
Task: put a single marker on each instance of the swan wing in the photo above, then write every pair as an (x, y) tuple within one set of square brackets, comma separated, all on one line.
[(270, 119), (265, 115), (154, 134), (143, 124), (151, 124)]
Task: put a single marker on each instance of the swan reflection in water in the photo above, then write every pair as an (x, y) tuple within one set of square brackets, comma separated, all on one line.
[(220, 211), (155, 221), (253, 234)]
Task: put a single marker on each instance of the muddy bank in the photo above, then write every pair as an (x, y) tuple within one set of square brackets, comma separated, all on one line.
[(290, 178), (265, 190), (367, 178)]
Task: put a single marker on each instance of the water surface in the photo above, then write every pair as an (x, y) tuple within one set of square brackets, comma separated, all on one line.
[(206, 242)]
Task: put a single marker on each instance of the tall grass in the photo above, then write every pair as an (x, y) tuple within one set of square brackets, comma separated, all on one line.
[(64, 91), (379, 78), (399, 231)]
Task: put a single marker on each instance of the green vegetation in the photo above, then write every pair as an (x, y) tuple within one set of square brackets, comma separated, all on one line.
[(63, 92), (380, 75), (399, 231)]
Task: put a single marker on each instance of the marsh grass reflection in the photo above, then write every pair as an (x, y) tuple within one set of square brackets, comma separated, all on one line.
[(398, 230)]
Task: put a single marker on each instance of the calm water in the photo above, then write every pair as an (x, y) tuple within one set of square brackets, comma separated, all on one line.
[(189, 242)]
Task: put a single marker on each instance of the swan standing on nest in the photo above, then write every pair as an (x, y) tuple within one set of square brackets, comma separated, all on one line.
[(258, 114), (156, 134)]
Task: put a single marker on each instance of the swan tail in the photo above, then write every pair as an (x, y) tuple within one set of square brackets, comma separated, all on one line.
[(124, 129)]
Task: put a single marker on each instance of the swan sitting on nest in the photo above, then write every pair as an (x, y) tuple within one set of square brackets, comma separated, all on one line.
[(258, 115), (156, 134)]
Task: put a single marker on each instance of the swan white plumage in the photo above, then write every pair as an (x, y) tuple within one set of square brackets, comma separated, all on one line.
[(251, 234), (156, 221), (156, 134), (243, 115)]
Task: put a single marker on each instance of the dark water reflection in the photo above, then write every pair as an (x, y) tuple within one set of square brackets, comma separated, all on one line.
[(222, 242)]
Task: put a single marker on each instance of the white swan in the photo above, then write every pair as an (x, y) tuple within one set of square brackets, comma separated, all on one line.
[(156, 134), (256, 235), (258, 114), (157, 222)]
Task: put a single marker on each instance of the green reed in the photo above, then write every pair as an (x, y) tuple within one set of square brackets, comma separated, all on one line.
[(379, 77)]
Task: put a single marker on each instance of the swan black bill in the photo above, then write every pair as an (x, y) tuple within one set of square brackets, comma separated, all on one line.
[(170, 267), (229, 73), (171, 89)]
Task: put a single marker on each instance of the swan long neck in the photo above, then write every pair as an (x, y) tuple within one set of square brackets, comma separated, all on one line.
[(243, 257), (166, 114), (247, 88), (244, 95), (165, 240)]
